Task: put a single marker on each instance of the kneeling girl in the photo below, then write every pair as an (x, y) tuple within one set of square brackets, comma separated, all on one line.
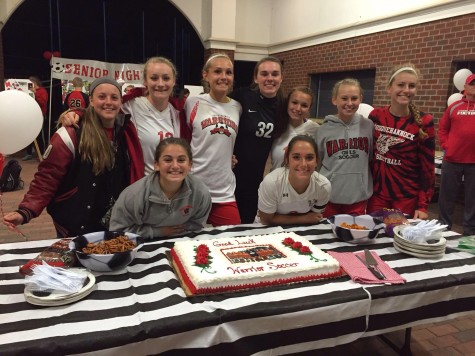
[(296, 193), (168, 201)]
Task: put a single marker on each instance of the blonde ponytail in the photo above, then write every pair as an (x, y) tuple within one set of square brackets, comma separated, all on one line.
[(417, 117)]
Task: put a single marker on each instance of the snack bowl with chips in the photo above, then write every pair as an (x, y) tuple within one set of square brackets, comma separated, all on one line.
[(106, 251), (360, 229)]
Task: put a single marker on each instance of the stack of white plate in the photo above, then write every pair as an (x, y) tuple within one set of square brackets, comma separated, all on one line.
[(56, 297), (432, 249)]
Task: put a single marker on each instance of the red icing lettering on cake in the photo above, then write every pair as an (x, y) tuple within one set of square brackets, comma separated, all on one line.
[(250, 262), (239, 270), (274, 266)]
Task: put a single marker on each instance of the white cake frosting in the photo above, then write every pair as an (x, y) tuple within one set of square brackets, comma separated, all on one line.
[(252, 261)]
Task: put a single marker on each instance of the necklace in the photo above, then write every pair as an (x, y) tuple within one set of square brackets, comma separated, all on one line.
[(173, 195), (225, 99)]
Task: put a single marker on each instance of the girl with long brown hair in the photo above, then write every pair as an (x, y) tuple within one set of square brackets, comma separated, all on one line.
[(84, 170)]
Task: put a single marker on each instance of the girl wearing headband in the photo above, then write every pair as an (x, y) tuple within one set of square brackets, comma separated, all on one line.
[(404, 148), (213, 119)]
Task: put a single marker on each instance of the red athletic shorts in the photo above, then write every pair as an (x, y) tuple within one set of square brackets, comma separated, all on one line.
[(224, 214), (358, 208)]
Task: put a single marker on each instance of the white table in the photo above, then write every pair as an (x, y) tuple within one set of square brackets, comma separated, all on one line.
[(143, 310)]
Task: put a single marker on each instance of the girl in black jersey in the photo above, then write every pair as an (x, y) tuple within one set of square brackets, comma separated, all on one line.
[(261, 122)]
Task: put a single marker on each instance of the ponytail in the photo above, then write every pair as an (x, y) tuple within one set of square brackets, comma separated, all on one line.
[(417, 117)]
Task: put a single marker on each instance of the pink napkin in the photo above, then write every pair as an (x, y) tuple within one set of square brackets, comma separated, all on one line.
[(360, 273)]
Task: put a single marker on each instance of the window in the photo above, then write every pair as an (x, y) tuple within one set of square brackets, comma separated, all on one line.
[(322, 85)]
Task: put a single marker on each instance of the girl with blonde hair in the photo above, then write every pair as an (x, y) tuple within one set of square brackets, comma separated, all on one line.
[(213, 119), (153, 113), (345, 148), (404, 148)]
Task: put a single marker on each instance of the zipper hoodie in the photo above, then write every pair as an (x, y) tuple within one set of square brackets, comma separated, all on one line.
[(344, 153), (142, 207), (456, 132)]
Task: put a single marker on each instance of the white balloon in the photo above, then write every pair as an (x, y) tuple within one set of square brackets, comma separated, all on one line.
[(364, 109), (460, 77), (20, 120), (453, 98)]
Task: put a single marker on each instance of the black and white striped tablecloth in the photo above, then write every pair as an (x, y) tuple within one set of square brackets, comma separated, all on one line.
[(143, 310)]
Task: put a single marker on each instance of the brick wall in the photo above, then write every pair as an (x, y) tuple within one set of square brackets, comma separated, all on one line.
[(433, 47)]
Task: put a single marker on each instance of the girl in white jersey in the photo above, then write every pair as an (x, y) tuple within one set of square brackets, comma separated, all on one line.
[(299, 102), (213, 119), (153, 116), (294, 194)]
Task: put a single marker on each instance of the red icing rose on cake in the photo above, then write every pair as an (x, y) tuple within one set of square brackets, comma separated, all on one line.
[(203, 258), (300, 248)]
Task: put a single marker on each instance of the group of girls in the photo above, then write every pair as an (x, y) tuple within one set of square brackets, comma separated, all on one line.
[(363, 164), (386, 161), (231, 136)]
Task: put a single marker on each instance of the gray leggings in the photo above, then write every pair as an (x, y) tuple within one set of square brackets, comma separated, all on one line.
[(453, 174)]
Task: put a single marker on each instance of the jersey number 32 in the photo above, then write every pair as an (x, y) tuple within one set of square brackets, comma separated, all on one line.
[(265, 129)]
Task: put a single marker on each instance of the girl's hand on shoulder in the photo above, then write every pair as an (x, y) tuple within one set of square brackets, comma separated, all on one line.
[(69, 118), (234, 161)]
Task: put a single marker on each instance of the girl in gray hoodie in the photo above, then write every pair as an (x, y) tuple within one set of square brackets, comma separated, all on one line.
[(167, 202), (345, 145)]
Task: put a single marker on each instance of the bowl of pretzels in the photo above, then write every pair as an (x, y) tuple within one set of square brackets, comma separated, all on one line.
[(106, 251)]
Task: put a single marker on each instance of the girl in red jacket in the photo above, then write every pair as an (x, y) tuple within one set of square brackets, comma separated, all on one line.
[(84, 170)]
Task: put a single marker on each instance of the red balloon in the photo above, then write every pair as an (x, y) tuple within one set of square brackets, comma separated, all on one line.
[(57, 54), (47, 55)]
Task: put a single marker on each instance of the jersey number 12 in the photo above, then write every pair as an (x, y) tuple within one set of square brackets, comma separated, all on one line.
[(163, 135)]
